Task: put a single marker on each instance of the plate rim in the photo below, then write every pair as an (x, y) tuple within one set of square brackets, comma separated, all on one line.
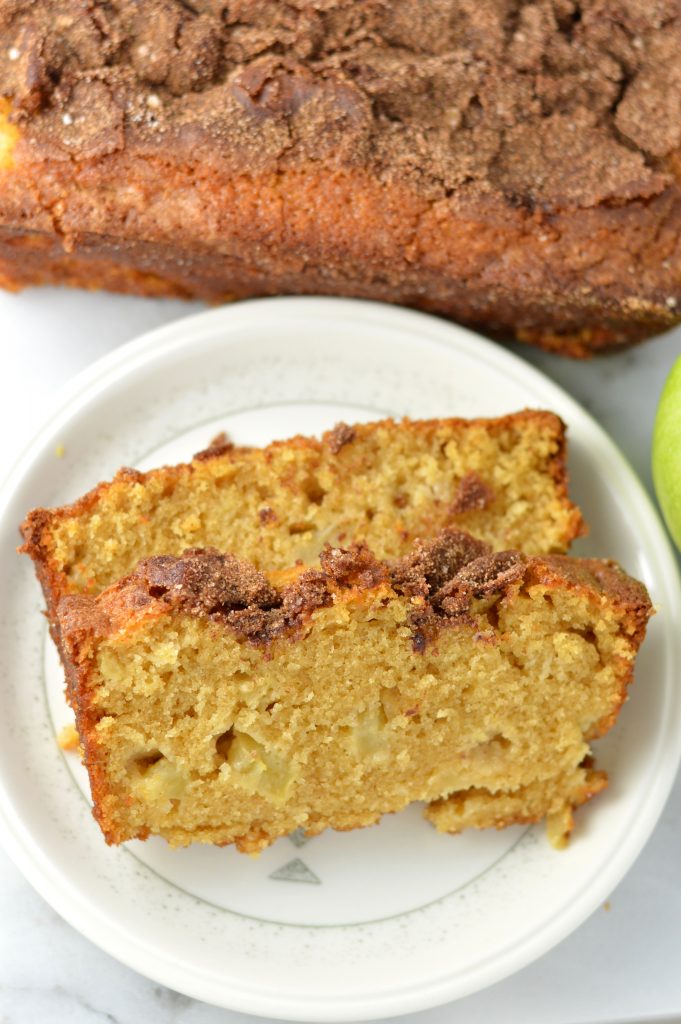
[(63, 896)]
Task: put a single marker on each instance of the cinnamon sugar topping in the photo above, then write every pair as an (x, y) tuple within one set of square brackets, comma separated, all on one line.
[(341, 435), (432, 564), (449, 572), (485, 96), (205, 582), (473, 495)]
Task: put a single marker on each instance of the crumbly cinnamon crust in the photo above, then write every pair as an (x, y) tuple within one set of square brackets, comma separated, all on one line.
[(431, 564), (473, 493), (444, 577), (518, 160), (341, 435), (487, 96)]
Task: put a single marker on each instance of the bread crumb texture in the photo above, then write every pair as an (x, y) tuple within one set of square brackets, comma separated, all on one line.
[(68, 739), (502, 479), (202, 723)]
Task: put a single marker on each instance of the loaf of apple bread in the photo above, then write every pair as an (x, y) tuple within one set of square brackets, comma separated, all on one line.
[(514, 165)]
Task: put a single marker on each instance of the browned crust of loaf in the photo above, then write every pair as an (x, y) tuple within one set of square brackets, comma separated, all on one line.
[(193, 583), (77, 634), (581, 312), (37, 527)]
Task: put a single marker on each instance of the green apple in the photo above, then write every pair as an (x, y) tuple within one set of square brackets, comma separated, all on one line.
[(667, 452)]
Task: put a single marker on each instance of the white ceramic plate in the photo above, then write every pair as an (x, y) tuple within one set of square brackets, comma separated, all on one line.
[(346, 926)]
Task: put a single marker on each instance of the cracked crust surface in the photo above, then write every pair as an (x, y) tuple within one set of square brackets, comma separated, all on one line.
[(415, 150)]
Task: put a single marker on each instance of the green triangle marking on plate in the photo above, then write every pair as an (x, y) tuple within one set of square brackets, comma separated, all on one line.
[(298, 837), (296, 871)]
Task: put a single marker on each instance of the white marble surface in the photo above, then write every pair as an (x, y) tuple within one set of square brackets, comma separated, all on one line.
[(623, 964)]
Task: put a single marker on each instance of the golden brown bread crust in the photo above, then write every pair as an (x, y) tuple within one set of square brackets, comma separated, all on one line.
[(236, 596), (513, 166)]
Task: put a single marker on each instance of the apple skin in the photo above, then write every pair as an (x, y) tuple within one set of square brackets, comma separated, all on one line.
[(666, 452)]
